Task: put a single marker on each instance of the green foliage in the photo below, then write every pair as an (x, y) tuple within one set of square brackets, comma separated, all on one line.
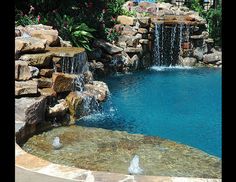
[(213, 17), (115, 7), (25, 19), (129, 13), (111, 34)]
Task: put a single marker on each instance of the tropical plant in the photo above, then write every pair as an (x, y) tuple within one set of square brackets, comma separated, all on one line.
[(115, 7)]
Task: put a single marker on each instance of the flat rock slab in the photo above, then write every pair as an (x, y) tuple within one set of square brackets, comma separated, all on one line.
[(108, 47), (26, 87), (40, 60), (30, 109), (65, 51)]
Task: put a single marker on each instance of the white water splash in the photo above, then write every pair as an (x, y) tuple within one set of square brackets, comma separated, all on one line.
[(134, 166), (56, 143), (163, 68)]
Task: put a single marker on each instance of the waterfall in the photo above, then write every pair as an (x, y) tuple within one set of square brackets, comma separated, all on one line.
[(172, 40), (90, 105), (134, 166), (156, 49), (75, 65), (167, 44), (79, 83)]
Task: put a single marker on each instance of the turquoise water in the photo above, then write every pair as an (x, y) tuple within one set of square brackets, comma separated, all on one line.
[(183, 105)]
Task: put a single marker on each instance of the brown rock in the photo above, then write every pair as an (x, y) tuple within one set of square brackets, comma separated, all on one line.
[(144, 21), (26, 87), (108, 47), (126, 20), (75, 103), (47, 92), (59, 109), (29, 44), (39, 60), (63, 82), (133, 50), (46, 73), (98, 89), (44, 82), (31, 110), (142, 30), (50, 35), (22, 70)]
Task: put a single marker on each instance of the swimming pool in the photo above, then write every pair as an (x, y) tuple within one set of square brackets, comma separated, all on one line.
[(179, 104)]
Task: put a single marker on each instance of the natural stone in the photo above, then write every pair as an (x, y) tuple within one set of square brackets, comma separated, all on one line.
[(95, 54), (50, 35), (144, 21), (34, 71), (133, 49), (212, 57), (29, 87), (198, 53), (129, 31), (142, 30), (88, 77), (189, 61), (46, 72), (30, 109), (44, 82), (99, 89), (39, 60), (29, 44), (126, 20), (146, 60), (22, 70), (108, 47), (59, 109), (47, 92), (74, 101), (132, 63), (64, 43), (62, 82)]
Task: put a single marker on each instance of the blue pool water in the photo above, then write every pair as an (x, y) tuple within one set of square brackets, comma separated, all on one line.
[(183, 105)]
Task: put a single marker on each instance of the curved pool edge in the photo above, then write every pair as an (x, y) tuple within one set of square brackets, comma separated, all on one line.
[(34, 167)]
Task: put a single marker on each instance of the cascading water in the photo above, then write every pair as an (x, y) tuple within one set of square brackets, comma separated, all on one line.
[(167, 44), (156, 50), (74, 65)]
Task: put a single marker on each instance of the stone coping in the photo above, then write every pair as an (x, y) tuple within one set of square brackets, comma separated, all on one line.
[(34, 164)]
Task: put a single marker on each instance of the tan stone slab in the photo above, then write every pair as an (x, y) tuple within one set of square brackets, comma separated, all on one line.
[(31, 162)]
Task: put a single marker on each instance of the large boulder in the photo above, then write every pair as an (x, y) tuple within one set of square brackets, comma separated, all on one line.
[(75, 105), (44, 32), (189, 61), (30, 109), (29, 87), (212, 57), (40, 60), (108, 47), (22, 70), (126, 20), (198, 53), (62, 82), (99, 89), (29, 45)]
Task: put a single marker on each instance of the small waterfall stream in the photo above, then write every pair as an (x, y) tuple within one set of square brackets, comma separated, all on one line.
[(167, 44)]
